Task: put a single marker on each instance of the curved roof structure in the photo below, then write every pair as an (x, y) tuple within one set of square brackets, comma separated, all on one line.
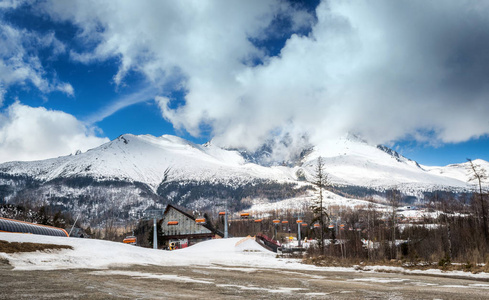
[(9, 225)]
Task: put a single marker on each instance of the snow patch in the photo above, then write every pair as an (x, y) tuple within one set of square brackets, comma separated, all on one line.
[(165, 277)]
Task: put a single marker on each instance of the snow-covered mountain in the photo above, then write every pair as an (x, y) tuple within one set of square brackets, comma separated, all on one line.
[(133, 173), (352, 161), (147, 159)]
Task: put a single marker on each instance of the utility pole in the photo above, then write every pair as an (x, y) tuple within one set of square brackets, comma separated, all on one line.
[(69, 234)]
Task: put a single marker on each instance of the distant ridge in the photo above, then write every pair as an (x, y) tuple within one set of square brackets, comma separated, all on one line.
[(132, 173)]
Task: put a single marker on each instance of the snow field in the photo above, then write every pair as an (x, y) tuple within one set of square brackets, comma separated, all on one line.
[(99, 254), (145, 158), (226, 254)]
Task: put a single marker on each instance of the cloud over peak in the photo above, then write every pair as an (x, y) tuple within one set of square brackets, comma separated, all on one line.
[(385, 70)]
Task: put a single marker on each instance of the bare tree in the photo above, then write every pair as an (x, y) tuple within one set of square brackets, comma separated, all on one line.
[(446, 218), (394, 199), (370, 210), (321, 182), (479, 174)]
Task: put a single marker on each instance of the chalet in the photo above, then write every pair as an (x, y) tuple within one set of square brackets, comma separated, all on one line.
[(181, 229)]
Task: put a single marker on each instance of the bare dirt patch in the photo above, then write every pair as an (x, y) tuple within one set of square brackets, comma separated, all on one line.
[(227, 282), (14, 247)]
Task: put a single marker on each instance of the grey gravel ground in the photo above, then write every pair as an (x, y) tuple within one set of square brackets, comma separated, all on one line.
[(219, 282)]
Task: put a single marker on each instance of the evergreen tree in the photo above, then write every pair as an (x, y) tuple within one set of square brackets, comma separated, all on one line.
[(318, 209)]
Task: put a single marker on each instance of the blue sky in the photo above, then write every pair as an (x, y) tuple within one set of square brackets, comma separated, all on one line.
[(407, 74)]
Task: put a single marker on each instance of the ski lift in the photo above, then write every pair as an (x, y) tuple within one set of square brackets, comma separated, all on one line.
[(331, 226), (222, 213), (200, 221), (276, 221), (245, 215), (298, 221), (342, 226), (172, 223), (317, 225), (304, 224), (285, 222), (258, 220), (131, 240)]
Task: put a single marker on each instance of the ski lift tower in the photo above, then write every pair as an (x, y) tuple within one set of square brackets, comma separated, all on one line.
[(154, 214), (224, 214), (226, 232), (299, 224)]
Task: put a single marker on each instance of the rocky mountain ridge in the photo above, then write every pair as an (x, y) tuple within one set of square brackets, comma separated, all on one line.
[(124, 177)]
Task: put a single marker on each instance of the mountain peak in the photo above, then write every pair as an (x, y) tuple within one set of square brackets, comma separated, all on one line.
[(124, 138), (355, 138), (400, 158), (279, 151)]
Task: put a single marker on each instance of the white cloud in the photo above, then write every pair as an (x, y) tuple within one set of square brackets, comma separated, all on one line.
[(11, 3), (28, 133), (385, 69), (146, 94), (20, 64), (184, 44), (163, 38)]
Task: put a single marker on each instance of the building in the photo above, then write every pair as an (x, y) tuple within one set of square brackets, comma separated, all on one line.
[(16, 226), (182, 229)]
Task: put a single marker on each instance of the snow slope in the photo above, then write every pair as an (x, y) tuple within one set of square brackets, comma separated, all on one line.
[(151, 160), (244, 256), (262, 207), (352, 161), (91, 253), (457, 171), (145, 159)]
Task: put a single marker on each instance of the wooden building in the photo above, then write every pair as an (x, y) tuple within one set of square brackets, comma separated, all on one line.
[(181, 229)]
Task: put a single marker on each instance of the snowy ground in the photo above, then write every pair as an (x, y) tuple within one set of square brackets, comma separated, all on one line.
[(263, 206), (233, 252), (95, 254), (237, 267)]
